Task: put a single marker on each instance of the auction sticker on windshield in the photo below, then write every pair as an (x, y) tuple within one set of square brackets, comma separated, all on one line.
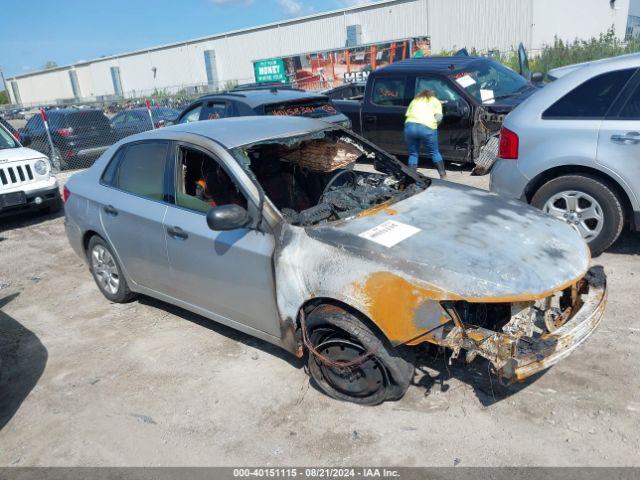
[(390, 233), (466, 81)]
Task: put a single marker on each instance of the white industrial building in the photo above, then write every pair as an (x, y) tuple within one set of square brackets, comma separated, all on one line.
[(213, 61)]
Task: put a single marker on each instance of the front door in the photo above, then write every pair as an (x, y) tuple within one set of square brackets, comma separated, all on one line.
[(454, 132), (228, 274), (132, 210)]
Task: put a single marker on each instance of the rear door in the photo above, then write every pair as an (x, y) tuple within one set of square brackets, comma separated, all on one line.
[(619, 137), (384, 111), (132, 210)]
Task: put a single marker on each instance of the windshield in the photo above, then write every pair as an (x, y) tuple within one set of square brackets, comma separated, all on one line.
[(326, 176), (312, 109), (490, 81), (6, 140)]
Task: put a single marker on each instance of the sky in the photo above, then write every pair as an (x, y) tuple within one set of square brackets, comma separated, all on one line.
[(34, 32)]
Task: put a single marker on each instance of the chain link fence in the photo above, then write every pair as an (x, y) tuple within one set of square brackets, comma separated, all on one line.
[(73, 133)]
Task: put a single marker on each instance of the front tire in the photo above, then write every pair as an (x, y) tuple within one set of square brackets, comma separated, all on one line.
[(588, 204), (107, 272), (340, 336)]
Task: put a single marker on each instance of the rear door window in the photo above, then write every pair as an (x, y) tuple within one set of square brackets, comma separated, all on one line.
[(141, 169), (307, 108), (389, 92), (592, 99)]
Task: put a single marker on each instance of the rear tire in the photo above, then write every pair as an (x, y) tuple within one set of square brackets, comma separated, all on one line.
[(107, 272), (385, 375), (591, 195)]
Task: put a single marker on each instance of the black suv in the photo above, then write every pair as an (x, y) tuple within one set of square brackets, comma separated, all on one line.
[(79, 135), (272, 101)]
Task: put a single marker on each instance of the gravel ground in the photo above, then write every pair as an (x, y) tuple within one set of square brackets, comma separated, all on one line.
[(86, 382)]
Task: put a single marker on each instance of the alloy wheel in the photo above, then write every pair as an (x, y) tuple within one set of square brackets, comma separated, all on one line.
[(578, 209), (105, 269)]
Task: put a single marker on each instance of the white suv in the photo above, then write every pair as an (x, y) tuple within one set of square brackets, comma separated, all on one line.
[(26, 182)]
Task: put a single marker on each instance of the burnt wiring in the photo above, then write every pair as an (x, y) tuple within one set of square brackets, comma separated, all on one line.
[(325, 360)]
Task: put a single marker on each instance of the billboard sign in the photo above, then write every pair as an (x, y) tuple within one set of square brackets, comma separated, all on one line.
[(269, 71), (327, 69)]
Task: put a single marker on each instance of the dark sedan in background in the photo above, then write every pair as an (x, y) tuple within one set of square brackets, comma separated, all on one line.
[(79, 136), (137, 120)]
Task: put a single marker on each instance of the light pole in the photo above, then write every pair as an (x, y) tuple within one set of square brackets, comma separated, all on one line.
[(4, 82)]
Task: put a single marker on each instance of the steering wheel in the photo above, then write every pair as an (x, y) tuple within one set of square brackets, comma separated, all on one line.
[(354, 179)]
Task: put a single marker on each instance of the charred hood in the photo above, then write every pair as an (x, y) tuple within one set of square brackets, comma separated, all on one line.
[(465, 241)]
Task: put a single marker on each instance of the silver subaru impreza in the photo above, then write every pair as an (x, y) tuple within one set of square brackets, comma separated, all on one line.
[(307, 236)]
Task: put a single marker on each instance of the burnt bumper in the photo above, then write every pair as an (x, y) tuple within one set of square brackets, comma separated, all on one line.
[(535, 355)]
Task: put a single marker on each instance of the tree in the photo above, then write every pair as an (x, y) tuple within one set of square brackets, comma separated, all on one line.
[(4, 97)]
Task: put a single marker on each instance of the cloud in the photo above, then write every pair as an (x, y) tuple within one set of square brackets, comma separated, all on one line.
[(291, 8), (234, 3)]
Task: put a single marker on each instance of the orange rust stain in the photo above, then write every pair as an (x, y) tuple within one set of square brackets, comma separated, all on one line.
[(393, 301), (369, 212)]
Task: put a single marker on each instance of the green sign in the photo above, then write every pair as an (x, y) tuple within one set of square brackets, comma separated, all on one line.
[(267, 71)]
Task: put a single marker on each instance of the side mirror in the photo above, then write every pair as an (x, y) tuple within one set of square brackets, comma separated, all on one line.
[(25, 140), (227, 217), (537, 77)]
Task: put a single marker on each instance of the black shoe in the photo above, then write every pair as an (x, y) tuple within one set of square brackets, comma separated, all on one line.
[(441, 170)]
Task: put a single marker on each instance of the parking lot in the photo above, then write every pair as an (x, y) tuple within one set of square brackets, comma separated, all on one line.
[(86, 382)]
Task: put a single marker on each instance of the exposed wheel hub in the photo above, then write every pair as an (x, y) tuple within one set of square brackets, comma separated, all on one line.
[(360, 380)]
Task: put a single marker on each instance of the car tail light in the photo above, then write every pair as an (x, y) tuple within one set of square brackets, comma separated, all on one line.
[(16, 135), (509, 144), (65, 194), (65, 132), (70, 154)]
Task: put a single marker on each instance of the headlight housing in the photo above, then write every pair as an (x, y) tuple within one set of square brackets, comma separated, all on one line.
[(41, 167)]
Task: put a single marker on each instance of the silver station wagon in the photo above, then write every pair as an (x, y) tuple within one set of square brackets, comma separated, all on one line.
[(307, 236)]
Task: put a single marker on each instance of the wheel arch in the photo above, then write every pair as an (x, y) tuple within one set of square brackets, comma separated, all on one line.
[(86, 238), (334, 304), (538, 181)]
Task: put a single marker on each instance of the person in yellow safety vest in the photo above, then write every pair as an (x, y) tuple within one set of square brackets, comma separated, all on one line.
[(421, 128)]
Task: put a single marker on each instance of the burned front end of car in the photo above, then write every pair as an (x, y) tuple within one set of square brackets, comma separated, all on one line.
[(526, 336)]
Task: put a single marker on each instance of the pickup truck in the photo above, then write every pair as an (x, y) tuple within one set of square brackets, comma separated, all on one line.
[(476, 93)]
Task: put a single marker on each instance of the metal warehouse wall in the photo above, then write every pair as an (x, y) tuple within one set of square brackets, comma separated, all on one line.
[(483, 24)]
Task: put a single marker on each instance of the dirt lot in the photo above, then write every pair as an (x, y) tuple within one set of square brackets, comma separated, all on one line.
[(86, 382)]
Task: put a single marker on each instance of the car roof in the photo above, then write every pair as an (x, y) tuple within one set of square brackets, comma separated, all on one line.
[(66, 111), (443, 65), (255, 98), (630, 60), (237, 131)]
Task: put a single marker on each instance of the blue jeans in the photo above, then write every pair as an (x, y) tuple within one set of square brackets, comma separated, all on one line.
[(416, 134)]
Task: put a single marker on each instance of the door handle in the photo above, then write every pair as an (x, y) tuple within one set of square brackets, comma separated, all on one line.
[(177, 233), (110, 210), (629, 138), (370, 119)]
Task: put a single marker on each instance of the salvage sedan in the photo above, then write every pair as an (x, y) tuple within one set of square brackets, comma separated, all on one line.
[(309, 237)]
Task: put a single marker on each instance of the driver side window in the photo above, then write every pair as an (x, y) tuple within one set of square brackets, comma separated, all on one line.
[(192, 115), (444, 92), (202, 183)]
